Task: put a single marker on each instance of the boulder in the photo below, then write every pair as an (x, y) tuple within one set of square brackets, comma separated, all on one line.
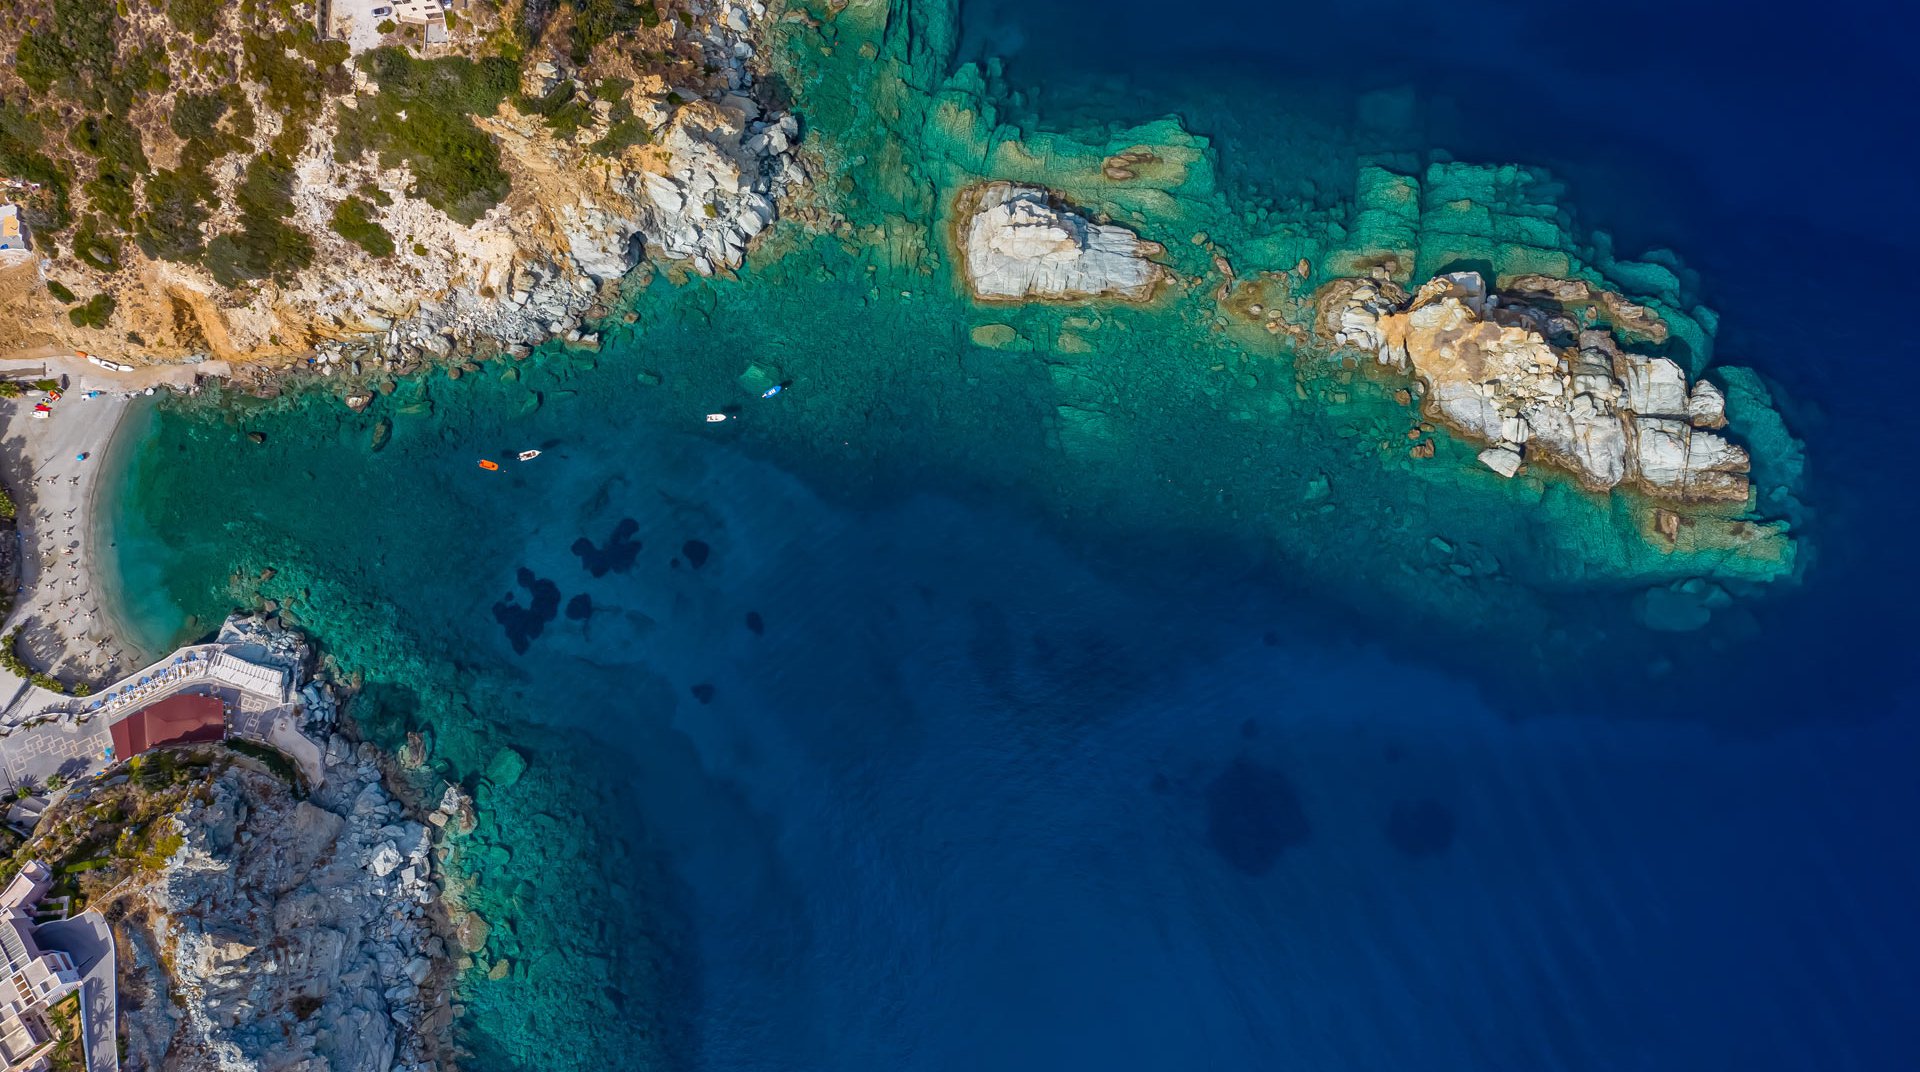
[(1018, 243), (1504, 460), (505, 768), (383, 859)]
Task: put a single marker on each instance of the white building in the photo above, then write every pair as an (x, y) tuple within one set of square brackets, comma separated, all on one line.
[(431, 14), (13, 232), (33, 979)]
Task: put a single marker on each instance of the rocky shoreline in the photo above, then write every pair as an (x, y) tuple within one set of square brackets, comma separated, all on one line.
[(275, 905), (288, 933), (683, 174)]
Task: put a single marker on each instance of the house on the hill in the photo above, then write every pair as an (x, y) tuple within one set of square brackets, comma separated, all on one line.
[(33, 979), (13, 230)]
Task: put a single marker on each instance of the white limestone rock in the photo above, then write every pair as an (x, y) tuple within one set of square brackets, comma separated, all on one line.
[(1533, 387), (1503, 459), (1706, 406), (1018, 244)]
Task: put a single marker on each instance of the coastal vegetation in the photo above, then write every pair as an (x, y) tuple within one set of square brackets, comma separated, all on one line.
[(422, 119), (117, 824), (353, 220), (129, 139), (94, 313), (11, 661), (69, 1052)]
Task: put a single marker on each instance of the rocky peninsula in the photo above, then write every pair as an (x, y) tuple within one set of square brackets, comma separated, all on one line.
[(272, 904), (288, 933)]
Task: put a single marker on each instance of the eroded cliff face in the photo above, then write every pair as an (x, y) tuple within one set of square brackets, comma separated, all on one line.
[(286, 934), (576, 222)]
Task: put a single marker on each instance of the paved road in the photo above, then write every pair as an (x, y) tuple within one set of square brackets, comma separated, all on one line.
[(88, 940), (30, 756)]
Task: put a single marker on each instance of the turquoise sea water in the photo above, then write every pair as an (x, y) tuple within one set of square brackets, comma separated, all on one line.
[(1120, 696)]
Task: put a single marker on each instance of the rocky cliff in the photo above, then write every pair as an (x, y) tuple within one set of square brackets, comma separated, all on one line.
[(256, 192), (285, 934)]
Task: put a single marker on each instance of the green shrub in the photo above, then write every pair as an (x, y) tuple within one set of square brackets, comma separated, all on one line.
[(111, 140), (94, 314), (8, 510), (201, 18), (60, 291), (622, 134), (266, 245), (15, 665), (196, 116), (420, 119), (21, 138), (73, 47), (94, 247), (353, 220), (177, 203), (386, 26), (240, 106), (293, 86)]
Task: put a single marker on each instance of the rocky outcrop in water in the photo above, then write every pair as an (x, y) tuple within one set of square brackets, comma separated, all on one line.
[(290, 934), (1018, 243), (1515, 371)]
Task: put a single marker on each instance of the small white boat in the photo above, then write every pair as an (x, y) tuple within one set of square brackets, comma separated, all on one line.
[(529, 455), (716, 418)]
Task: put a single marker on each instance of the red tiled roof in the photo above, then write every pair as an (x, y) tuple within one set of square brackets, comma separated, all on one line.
[(185, 718)]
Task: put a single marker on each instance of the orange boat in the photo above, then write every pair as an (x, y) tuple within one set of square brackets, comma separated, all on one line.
[(490, 466)]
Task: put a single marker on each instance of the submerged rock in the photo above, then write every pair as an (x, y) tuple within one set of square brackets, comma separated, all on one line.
[(506, 767), (1019, 244)]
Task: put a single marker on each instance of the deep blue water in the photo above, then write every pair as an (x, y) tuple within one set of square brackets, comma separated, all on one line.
[(1756, 144), (973, 801), (1030, 877), (972, 796)]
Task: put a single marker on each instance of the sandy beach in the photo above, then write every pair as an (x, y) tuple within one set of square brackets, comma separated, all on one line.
[(50, 467)]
